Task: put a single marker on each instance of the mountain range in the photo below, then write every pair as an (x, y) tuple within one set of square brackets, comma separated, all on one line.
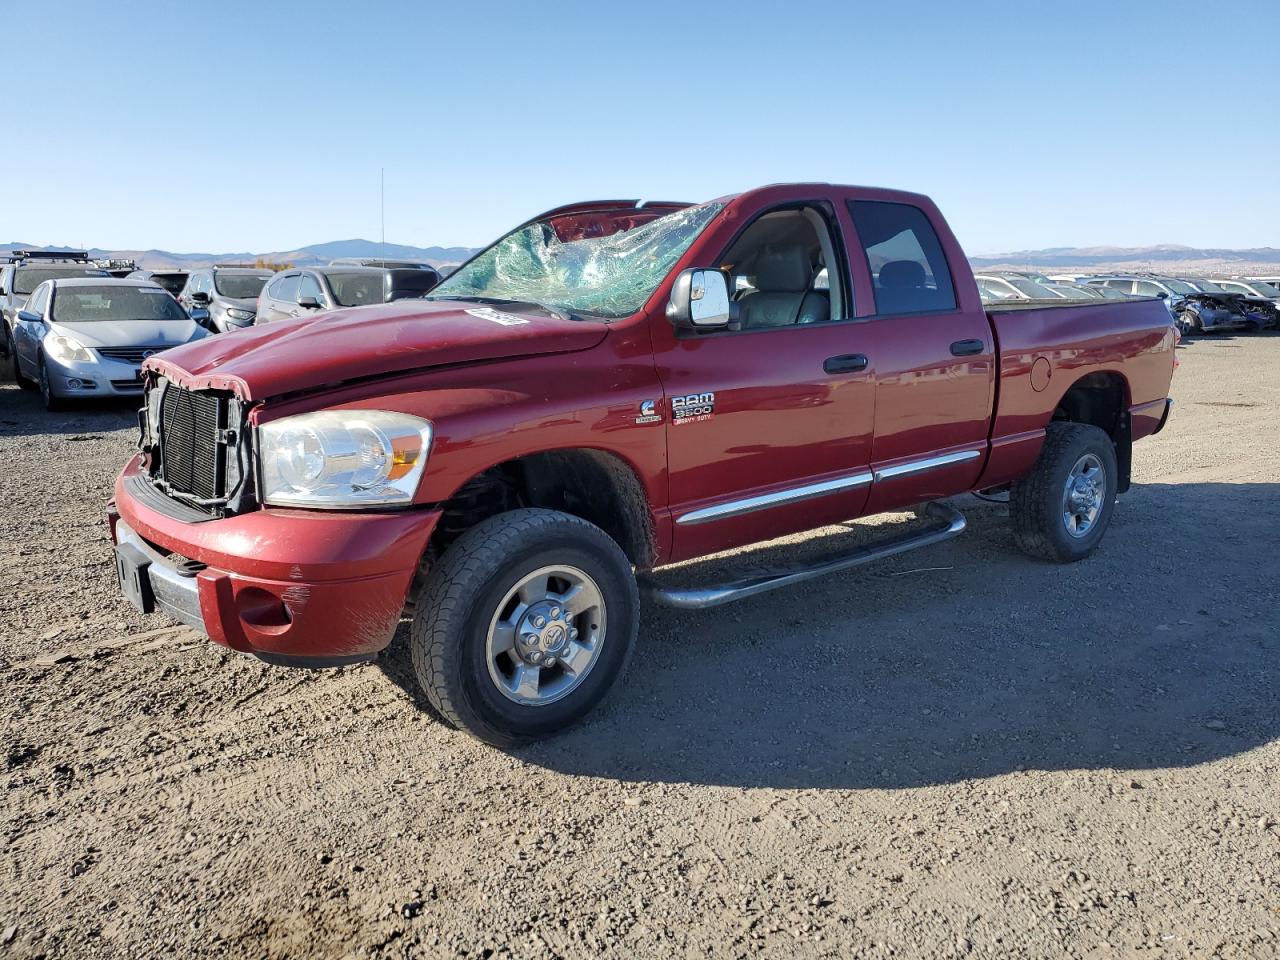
[(1163, 258), (314, 255)]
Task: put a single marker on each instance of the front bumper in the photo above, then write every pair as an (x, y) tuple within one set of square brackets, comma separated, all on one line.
[(94, 378), (300, 586)]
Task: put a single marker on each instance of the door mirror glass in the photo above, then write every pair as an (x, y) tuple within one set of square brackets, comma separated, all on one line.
[(700, 300)]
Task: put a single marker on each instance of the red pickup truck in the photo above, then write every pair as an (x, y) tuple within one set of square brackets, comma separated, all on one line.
[(612, 387)]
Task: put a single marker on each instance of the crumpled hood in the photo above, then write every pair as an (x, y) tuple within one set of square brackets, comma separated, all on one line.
[(309, 352), (130, 333)]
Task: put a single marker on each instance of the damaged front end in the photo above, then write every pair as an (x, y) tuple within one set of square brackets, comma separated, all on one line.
[(1202, 312), (197, 451)]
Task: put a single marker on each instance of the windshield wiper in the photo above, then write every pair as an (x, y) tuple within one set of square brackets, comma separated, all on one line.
[(556, 312)]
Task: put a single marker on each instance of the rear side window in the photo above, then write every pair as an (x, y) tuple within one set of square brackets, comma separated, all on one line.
[(908, 269)]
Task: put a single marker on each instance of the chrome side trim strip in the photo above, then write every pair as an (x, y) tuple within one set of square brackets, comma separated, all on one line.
[(736, 508), (916, 466)]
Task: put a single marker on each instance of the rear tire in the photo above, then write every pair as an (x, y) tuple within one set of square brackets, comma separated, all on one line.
[(490, 610), (1061, 511)]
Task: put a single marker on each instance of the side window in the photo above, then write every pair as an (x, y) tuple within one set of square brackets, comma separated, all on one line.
[(908, 268), (39, 301), (201, 283), (286, 288), (1235, 287), (309, 288), (1145, 288), (784, 269)]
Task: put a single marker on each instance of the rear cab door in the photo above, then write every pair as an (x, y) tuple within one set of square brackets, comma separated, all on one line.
[(279, 298), (930, 347)]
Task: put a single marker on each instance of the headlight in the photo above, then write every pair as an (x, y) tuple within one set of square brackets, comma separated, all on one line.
[(66, 349), (343, 458), (237, 314)]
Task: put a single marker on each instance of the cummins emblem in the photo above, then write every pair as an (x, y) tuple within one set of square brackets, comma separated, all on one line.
[(648, 412), (691, 408)]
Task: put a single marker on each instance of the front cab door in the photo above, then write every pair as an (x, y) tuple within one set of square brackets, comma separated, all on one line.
[(769, 426)]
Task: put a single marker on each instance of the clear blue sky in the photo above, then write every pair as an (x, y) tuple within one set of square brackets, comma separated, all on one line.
[(228, 127)]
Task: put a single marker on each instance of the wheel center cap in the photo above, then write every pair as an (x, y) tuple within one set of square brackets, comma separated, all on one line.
[(553, 637)]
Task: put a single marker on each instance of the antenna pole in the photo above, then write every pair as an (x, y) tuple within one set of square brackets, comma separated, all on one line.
[(382, 206)]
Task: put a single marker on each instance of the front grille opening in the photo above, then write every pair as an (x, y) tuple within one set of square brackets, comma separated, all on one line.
[(195, 440), (192, 460)]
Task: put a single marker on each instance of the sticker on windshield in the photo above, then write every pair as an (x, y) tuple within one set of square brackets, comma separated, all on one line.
[(497, 316)]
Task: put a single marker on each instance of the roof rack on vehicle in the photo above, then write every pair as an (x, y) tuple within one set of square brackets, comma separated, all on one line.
[(79, 256)]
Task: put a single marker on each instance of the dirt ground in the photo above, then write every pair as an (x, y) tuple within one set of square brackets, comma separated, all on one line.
[(958, 752)]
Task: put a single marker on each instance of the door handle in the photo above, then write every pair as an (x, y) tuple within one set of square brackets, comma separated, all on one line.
[(846, 363), (967, 348)]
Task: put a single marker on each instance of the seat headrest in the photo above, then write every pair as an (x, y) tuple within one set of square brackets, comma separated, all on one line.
[(782, 268), (902, 275)]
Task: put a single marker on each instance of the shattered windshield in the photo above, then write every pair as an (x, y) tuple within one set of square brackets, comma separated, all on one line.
[(552, 262)]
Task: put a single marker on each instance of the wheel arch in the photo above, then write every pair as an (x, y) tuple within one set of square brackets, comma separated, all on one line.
[(596, 485), (1101, 398)]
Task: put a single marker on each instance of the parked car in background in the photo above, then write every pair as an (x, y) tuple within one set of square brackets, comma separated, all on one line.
[(1000, 286), (120, 267), (1026, 285), (1210, 294), (1191, 310), (389, 264), (1259, 311), (171, 280), (300, 293), (86, 337), (26, 270), (223, 299), (1261, 299), (583, 402)]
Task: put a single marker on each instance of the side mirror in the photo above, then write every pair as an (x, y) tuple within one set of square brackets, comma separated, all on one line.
[(700, 301), (1162, 295), (30, 317), (309, 303), (201, 298), (200, 315)]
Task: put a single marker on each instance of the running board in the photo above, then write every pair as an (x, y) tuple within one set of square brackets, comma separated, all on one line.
[(703, 598)]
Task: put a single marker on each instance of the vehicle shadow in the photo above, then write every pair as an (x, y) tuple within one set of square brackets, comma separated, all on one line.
[(22, 414), (966, 660)]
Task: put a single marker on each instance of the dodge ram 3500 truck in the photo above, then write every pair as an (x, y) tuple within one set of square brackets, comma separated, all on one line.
[(612, 387)]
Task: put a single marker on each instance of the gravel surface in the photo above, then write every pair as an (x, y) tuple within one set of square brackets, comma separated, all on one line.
[(958, 752)]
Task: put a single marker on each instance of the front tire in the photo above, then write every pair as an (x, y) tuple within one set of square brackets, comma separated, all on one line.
[(1061, 511), (16, 371), (524, 625), (52, 402)]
